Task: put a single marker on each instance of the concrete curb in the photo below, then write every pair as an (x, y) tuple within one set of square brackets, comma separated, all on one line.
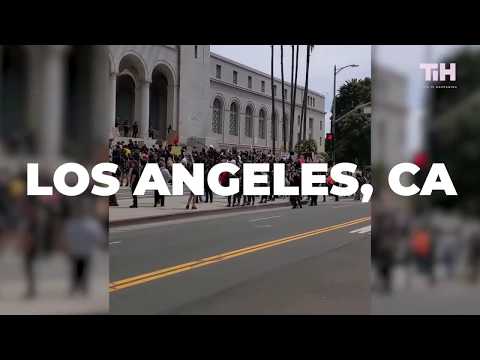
[(193, 213)]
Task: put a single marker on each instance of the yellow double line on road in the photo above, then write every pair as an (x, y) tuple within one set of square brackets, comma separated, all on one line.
[(155, 275)]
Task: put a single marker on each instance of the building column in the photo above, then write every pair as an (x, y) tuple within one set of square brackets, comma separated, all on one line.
[(1, 84), (46, 86), (101, 96), (113, 102), (144, 112), (171, 107)]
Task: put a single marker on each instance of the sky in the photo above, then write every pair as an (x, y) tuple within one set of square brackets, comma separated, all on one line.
[(406, 59), (322, 61)]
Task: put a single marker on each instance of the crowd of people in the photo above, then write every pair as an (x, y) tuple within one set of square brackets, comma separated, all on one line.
[(434, 245), (132, 157), (36, 227)]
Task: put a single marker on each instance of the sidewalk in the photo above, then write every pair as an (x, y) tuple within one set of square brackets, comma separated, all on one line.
[(175, 208), (53, 283), (412, 294)]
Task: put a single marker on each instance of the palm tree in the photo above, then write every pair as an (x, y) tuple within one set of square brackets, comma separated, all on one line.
[(284, 127), (294, 97), (292, 104), (305, 94), (273, 103)]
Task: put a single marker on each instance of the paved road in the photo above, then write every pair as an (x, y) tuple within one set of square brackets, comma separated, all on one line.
[(271, 261)]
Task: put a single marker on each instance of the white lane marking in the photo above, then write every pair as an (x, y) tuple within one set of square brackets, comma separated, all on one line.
[(127, 228), (263, 226), (115, 242), (340, 206), (265, 218), (363, 230)]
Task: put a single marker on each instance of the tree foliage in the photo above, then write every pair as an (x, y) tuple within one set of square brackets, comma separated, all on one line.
[(306, 147), (352, 132), (454, 134)]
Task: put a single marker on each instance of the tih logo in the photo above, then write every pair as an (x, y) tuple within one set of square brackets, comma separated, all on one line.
[(439, 72)]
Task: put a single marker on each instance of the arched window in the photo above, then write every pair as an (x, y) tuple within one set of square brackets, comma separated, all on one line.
[(261, 124), (248, 121), (217, 117), (233, 119)]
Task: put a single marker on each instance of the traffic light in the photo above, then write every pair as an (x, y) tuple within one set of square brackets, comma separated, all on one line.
[(329, 143)]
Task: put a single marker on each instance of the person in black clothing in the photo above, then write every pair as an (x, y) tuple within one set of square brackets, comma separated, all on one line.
[(156, 194), (208, 191), (229, 198), (134, 178), (314, 198), (188, 163), (296, 200), (272, 197), (238, 196), (264, 198), (112, 200), (135, 129)]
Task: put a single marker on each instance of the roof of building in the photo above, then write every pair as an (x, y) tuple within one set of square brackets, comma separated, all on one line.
[(248, 68)]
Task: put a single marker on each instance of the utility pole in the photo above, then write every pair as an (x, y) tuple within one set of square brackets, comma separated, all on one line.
[(334, 112), (334, 103)]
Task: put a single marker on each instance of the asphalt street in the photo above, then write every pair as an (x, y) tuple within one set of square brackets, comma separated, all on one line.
[(314, 260)]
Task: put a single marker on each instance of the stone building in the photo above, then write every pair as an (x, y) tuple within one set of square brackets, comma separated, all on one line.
[(68, 100), (205, 98)]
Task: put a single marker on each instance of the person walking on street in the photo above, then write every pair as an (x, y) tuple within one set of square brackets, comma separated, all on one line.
[(264, 198), (83, 233), (231, 197), (330, 184), (361, 181), (208, 191), (188, 163), (168, 179), (296, 200), (133, 179)]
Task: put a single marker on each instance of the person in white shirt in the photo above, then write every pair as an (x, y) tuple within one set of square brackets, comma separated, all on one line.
[(83, 233)]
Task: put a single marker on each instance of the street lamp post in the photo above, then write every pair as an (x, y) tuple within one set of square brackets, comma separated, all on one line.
[(335, 72)]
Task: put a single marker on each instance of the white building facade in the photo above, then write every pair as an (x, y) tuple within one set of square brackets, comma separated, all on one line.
[(390, 116), (205, 98)]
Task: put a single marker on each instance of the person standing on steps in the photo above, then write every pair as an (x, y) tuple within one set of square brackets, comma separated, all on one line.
[(135, 130)]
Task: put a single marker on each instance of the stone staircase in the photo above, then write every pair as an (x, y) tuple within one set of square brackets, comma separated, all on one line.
[(149, 142)]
